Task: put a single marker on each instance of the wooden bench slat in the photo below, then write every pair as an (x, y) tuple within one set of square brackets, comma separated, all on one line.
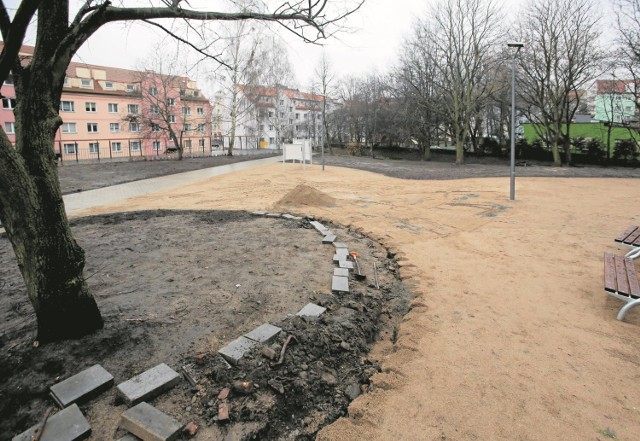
[(636, 243), (632, 237), (610, 273), (621, 272), (634, 285), (626, 233)]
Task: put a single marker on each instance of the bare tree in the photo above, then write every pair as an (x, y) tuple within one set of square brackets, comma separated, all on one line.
[(560, 56), (324, 81), (461, 35), (418, 86), (31, 205)]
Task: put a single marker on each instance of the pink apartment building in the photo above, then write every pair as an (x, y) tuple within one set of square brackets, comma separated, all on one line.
[(116, 113)]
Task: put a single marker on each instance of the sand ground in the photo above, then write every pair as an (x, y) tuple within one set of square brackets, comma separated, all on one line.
[(510, 336)]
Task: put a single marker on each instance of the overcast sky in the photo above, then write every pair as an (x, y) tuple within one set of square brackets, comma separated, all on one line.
[(371, 42)]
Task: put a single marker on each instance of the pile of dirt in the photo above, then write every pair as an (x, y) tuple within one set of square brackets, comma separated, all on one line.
[(176, 286), (304, 195)]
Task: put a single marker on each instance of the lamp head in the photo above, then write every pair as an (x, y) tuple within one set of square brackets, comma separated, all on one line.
[(517, 44)]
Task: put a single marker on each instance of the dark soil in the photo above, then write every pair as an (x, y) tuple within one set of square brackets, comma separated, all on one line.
[(174, 287)]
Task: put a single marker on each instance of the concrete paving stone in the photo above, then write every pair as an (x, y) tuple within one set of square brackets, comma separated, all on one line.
[(342, 272), (340, 245), (319, 227), (291, 217), (67, 425), (148, 423), (345, 264), (263, 333), (274, 214), (340, 258), (82, 386), (340, 284), (259, 213), (148, 384), (329, 238), (311, 310), (235, 350), (342, 251)]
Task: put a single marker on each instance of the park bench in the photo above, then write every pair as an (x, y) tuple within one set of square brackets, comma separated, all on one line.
[(621, 281), (631, 238)]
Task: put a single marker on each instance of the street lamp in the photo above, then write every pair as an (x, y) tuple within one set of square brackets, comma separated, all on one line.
[(518, 45)]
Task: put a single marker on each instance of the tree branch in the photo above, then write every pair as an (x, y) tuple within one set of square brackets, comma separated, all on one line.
[(13, 33)]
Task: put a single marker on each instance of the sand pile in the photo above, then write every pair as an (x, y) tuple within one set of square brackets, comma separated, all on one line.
[(307, 196)]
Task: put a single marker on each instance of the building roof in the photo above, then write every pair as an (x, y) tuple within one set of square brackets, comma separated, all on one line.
[(612, 86)]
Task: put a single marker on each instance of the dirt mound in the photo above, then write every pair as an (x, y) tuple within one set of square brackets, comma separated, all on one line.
[(306, 195)]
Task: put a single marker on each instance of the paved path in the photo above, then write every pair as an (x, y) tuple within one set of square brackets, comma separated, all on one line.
[(115, 193)]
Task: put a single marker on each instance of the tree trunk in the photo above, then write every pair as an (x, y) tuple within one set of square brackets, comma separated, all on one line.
[(557, 160), (459, 150), (32, 210)]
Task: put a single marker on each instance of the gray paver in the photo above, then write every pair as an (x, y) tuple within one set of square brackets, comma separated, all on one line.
[(319, 227), (345, 264), (340, 245), (84, 385), (340, 284), (311, 310), (274, 215), (234, 351), (263, 333), (67, 425), (342, 272), (259, 213), (342, 251), (291, 217), (148, 423), (329, 238), (339, 258), (148, 384)]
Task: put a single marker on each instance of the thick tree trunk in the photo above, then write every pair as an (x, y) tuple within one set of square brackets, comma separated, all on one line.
[(32, 210), (459, 151)]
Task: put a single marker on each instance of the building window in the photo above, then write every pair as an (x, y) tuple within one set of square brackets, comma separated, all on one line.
[(113, 107), (155, 109), (153, 91), (66, 81), (305, 116), (201, 127), (85, 83), (170, 101), (297, 128), (10, 127), (281, 114), (186, 110), (70, 148), (156, 146), (297, 116), (155, 128), (67, 106), (200, 111), (272, 140), (172, 118), (201, 143), (116, 146), (187, 144), (195, 93), (108, 85), (134, 127), (187, 127), (92, 127), (282, 102), (261, 127), (132, 109), (135, 146), (90, 107), (129, 87), (270, 126), (9, 80), (94, 148), (69, 127), (114, 127)]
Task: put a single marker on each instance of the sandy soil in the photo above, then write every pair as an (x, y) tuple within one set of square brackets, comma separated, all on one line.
[(510, 335)]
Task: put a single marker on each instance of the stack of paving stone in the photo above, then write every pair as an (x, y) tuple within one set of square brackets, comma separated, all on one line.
[(142, 420)]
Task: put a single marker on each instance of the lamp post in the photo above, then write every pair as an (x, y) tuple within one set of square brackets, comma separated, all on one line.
[(518, 46)]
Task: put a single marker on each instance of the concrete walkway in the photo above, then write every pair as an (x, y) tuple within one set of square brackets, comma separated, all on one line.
[(106, 195)]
